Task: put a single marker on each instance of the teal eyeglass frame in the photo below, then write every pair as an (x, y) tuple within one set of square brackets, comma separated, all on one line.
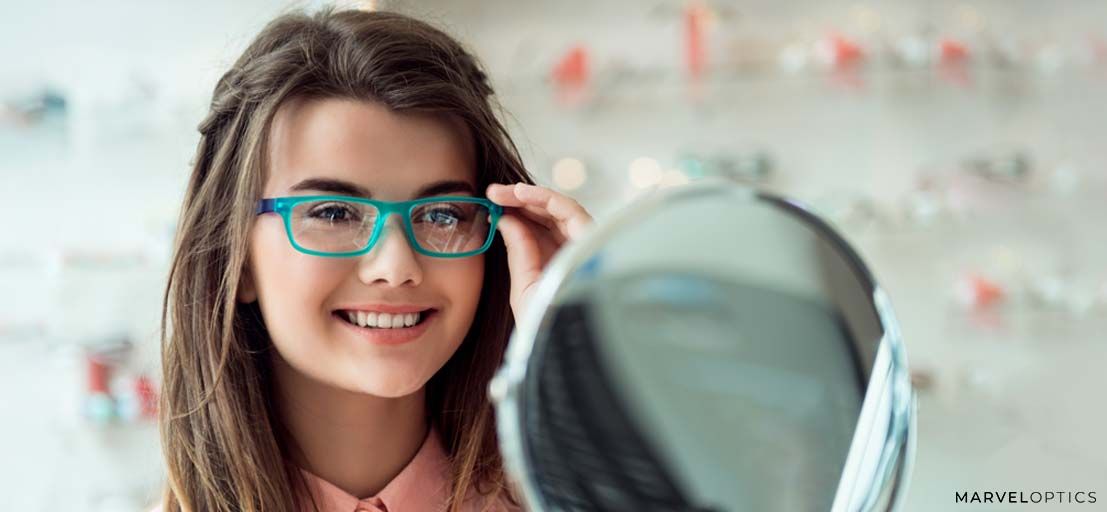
[(283, 206)]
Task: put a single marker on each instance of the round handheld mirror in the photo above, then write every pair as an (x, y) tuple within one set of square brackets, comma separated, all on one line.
[(708, 348)]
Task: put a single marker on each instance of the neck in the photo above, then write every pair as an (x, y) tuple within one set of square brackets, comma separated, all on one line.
[(339, 432)]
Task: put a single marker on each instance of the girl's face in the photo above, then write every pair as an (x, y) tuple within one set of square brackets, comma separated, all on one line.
[(349, 147)]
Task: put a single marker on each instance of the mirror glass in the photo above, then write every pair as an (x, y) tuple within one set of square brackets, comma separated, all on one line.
[(708, 347)]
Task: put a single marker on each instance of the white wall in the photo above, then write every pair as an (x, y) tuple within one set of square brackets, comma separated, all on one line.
[(1012, 403)]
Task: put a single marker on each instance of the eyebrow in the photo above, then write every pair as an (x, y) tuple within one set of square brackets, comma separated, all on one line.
[(335, 186)]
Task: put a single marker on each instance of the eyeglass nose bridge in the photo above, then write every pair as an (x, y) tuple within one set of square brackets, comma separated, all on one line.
[(381, 223)]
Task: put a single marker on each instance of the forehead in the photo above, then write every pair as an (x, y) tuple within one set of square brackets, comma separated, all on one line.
[(391, 154)]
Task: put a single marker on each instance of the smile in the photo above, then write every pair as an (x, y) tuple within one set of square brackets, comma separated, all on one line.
[(375, 320)]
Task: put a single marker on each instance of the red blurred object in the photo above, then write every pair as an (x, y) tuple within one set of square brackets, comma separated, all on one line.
[(952, 56), (571, 75), (841, 52), (99, 373), (976, 291), (572, 69), (148, 397), (843, 56), (695, 53), (951, 51)]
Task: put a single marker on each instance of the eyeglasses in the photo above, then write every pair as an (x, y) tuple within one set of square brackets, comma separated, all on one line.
[(343, 226)]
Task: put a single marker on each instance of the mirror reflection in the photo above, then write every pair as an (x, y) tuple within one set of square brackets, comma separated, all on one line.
[(706, 349)]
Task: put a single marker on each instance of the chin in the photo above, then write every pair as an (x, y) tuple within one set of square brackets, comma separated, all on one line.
[(388, 386)]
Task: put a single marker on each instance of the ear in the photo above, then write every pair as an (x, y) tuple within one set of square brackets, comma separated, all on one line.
[(247, 291)]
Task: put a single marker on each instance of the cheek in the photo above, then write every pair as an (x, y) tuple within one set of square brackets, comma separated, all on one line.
[(467, 288), (474, 280), (460, 283), (291, 286)]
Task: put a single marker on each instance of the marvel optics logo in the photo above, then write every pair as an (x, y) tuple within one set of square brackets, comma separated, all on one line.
[(1025, 497)]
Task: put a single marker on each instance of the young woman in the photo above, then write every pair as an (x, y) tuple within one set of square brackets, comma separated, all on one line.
[(338, 299)]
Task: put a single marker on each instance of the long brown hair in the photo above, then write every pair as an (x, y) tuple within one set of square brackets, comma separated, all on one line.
[(223, 443)]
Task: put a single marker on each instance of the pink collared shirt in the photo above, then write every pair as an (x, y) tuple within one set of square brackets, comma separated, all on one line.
[(421, 486)]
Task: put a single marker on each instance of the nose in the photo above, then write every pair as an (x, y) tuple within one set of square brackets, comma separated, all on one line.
[(392, 259)]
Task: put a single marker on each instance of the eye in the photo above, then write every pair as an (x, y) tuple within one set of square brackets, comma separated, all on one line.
[(334, 212), (443, 216)]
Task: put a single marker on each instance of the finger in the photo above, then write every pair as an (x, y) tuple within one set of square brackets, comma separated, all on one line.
[(503, 195), (524, 256), (538, 211), (548, 241), (542, 221), (565, 210)]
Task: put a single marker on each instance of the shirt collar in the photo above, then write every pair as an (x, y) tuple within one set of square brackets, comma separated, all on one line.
[(421, 485)]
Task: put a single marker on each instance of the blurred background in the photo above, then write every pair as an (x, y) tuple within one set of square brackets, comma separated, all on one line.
[(959, 144)]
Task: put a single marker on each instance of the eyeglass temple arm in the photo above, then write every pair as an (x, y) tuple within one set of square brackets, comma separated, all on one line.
[(266, 206)]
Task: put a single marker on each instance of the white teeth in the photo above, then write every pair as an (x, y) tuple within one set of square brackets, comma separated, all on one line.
[(382, 320)]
